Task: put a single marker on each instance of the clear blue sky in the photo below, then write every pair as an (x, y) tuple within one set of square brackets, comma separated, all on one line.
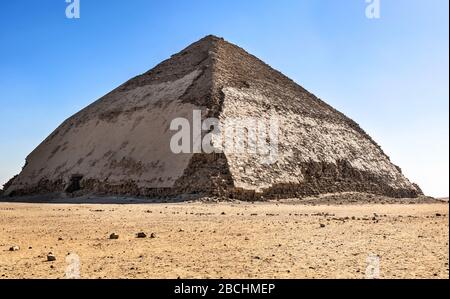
[(390, 74)]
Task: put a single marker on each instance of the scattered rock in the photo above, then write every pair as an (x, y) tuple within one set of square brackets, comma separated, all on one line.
[(153, 236), (51, 257), (322, 225), (141, 235), (14, 248), (113, 236)]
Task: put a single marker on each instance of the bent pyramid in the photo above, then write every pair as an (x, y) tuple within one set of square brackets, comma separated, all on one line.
[(120, 144)]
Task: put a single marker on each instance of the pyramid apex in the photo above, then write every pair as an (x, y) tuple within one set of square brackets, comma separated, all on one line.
[(207, 41), (212, 37)]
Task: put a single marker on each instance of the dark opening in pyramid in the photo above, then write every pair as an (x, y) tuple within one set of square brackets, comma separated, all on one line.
[(120, 144)]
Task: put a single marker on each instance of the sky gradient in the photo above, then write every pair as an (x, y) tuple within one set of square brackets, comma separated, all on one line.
[(390, 74)]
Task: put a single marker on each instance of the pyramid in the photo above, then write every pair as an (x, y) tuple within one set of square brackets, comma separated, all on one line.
[(120, 144)]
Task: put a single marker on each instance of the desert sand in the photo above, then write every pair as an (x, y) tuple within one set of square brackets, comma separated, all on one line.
[(225, 240)]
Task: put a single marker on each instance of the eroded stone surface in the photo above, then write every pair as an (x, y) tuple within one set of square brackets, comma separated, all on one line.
[(121, 143), (310, 148)]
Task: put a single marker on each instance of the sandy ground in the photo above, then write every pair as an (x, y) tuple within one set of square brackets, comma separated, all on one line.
[(229, 240)]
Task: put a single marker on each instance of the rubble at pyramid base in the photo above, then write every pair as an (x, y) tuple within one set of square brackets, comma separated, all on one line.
[(346, 180)]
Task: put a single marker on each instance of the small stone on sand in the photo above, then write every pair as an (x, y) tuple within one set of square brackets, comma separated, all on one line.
[(141, 235), (51, 257), (113, 236)]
